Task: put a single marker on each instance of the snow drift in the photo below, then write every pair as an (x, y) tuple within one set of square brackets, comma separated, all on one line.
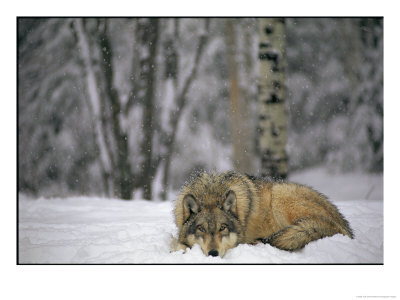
[(96, 230)]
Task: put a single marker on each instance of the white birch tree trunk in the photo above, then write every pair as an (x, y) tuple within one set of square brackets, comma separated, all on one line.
[(272, 129)]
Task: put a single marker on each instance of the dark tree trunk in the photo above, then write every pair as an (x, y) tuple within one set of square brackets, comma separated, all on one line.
[(96, 104), (123, 181), (171, 74), (148, 33), (180, 105)]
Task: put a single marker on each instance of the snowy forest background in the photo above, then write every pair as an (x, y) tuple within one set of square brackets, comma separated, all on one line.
[(86, 124)]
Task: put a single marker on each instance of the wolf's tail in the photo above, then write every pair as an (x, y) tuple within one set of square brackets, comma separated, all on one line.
[(345, 228), (305, 230)]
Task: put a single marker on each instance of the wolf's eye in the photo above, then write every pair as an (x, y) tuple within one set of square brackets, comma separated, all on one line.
[(201, 228), (223, 227)]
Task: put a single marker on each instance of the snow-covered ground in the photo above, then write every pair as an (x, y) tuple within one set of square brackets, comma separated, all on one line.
[(96, 230)]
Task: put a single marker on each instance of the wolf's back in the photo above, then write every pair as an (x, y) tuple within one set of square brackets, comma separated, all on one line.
[(302, 201)]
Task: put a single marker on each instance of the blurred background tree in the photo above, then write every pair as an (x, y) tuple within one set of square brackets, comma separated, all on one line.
[(335, 118), (130, 107)]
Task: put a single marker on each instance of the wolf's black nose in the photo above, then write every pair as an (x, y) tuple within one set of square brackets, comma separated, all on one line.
[(213, 253)]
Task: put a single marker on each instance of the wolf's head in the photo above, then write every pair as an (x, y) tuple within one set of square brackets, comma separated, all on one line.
[(215, 227)]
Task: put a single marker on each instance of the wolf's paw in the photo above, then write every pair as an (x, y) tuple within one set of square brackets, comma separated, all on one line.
[(176, 245)]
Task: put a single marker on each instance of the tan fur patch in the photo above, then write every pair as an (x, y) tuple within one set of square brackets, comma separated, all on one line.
[(200, 241), (227, 243)]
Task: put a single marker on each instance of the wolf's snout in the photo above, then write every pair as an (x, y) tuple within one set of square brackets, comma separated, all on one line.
[(213, 253)]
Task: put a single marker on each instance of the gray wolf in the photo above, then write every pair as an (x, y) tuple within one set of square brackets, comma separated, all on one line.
[(220, 211)]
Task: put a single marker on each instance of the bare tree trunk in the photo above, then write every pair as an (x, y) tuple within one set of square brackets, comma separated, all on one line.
[(181, 100), (239, 117), (171, 74), (249, 99), (95, 104), (148, 32), (352, 53), (118, 168), (272, 129), (123, 178)]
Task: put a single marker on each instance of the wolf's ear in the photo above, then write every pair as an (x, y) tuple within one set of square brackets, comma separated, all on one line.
[(230, 202), (190, 206)]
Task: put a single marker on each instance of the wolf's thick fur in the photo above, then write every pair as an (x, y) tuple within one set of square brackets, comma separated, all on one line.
[(220, 211)]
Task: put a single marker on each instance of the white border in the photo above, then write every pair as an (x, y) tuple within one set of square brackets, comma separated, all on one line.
[(195, 282)]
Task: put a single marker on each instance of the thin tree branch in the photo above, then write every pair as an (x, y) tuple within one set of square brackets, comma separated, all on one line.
[(202, 41)]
